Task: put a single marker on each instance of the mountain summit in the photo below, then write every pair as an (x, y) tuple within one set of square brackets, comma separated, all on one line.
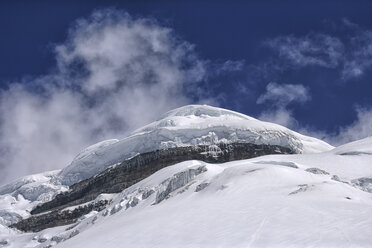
[(190, 125)]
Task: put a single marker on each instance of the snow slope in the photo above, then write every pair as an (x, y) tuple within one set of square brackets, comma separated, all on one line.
[(187, 126), (304, 200), (359, 147)]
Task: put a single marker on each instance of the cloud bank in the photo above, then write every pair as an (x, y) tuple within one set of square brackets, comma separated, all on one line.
[(111, 67)]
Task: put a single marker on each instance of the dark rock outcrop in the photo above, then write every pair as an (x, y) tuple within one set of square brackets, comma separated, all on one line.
[(363, 183), (131, 171), (177, 181), (317, 171), (57, 218)]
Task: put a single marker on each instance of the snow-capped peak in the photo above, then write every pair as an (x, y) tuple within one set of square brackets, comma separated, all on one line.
[(190, 125), (204, 110)]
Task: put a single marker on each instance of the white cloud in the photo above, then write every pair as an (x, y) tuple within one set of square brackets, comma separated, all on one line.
[(359, 129), (312, 49), (283, 94), (232, 65), (114, 73), (118, 51), (359, 57), (281, 116), (350, 55), (279, 96)]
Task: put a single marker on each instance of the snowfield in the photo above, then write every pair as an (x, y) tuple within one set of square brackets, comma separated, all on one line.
[(304, 200), (321, 197)]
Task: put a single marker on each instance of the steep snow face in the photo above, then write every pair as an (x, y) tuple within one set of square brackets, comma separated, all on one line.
[(91, 161), (187, 126), (94, 149)]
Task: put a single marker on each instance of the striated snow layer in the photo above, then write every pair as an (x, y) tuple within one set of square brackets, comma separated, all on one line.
[(187, 126)]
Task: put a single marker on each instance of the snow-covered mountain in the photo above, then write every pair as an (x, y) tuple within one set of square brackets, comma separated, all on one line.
[(187, 126), (319, 197)]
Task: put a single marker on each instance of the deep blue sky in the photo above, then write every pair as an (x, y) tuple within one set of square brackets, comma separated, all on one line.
[(221, 31)]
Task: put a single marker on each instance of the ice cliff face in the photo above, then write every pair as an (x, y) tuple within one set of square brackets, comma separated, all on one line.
[(187, 126)]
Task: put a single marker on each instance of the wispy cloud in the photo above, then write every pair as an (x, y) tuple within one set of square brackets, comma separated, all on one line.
[(278, 97), (281, 116), (231, 66), (360, 128), (350, 55), (312, 49), (111, 68), (359, 57), (283, 94)]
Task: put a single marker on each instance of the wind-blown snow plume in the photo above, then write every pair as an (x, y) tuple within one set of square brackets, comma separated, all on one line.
[(111, 68)]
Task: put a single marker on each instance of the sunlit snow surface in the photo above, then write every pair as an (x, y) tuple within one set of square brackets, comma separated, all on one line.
[(305, 200)]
